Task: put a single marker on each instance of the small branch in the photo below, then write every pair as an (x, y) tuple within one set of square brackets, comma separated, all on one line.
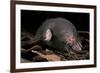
[(51, 57), (25, 51), (83, 32)]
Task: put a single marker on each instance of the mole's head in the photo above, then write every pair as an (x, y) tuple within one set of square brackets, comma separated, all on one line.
[(74, 43)]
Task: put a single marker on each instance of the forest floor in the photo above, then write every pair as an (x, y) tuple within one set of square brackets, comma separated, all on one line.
[(37, 53)]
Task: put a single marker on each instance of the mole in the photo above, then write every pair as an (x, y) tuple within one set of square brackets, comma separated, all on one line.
[(59, 34)]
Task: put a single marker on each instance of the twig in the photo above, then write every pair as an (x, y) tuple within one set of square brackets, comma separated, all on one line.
[(25, 51), (51, 57), (83, 32)]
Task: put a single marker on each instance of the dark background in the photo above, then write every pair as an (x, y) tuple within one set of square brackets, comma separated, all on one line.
[(31, 20)]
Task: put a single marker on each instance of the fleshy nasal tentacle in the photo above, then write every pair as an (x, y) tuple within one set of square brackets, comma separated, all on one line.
[(76, 45)]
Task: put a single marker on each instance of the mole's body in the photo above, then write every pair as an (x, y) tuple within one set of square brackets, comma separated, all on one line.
[(59, 34)]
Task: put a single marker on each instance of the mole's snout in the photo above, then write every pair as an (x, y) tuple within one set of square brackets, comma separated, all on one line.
[(77, 46), (74, 43)]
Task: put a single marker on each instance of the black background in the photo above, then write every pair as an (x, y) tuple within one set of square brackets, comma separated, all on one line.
[(31, 20)]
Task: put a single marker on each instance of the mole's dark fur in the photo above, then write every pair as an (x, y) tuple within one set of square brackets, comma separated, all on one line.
[(59, 34)]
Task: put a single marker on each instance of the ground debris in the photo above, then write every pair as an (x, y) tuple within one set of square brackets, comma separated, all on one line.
[(37, 53)]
